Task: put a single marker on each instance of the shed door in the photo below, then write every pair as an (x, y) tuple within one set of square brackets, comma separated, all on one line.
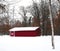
[(12, 33)]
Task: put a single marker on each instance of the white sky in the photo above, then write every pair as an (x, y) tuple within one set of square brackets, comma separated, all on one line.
[(20, 2), (24, 2)]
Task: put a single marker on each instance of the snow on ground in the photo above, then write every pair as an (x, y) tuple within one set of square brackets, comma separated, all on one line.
[(41, 43)]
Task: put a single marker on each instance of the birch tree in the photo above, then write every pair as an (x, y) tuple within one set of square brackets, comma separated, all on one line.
[(52, 27)]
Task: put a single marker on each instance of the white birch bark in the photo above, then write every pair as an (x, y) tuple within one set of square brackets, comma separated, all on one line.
[(52, 27)]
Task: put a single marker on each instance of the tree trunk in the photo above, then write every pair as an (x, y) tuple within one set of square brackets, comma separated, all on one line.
[(52, 27)]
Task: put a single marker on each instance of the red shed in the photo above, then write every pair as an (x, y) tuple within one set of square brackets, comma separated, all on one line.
[(25, 31)]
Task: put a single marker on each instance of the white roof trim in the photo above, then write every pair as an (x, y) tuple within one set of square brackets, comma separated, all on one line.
[(23, 28)]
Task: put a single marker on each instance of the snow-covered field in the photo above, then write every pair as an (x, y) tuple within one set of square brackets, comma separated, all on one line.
[(41, 43)]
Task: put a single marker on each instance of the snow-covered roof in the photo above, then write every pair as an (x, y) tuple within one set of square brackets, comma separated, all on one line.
[(23, 28)]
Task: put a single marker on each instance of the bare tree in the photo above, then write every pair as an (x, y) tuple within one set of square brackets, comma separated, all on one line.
[(23, 14), (29, 21), (17, 24), (59, 1), (36, 11), (59, 4), (44, 8), (51, 20), (4, 18)]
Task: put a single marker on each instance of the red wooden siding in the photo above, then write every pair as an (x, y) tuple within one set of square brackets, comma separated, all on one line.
[(26, 33)]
